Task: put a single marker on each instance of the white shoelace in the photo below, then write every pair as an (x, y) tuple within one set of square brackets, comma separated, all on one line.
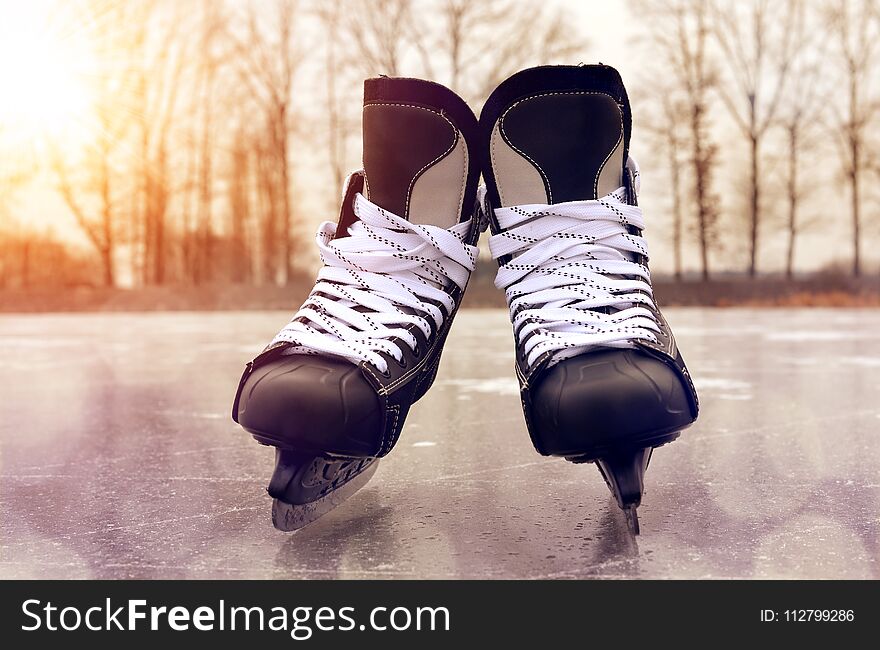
[(387, 274), (572, 283)]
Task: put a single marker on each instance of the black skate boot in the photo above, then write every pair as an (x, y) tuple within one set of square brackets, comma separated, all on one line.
[(332, 390), (601, 377)]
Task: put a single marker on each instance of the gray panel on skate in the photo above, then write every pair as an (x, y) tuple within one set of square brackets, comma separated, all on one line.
[(118, 458)]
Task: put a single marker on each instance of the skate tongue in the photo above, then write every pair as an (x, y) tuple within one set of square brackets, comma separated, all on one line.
[(558, 133), (415, 158)]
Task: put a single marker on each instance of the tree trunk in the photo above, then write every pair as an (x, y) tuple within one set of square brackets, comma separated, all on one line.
[(754, 206), (133, 230), (336, 131), (106, 247), (107, 262), (188, 226), (107, 227), (239, 207), (26, 264), (283, 165), (792, 187), (159, 250), (703, 217), (205, 237), (856, 207), (676, 204), (160, 205), (148, 232), (269, 211)]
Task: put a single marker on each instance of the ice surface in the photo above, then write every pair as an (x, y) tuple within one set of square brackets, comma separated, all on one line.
[(118, 459)]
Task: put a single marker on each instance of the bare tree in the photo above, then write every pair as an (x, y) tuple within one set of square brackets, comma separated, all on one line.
[(665, 126), (382, 32), (468, 46), (339, 124), (756, 40), (661, 107), (159, 53), (679, 33), (12, 179), (799, 114), (267, 189), (270, 63), (100, 231), (210, 60), (239, 205), (188, 141), (856, 31), (89, 183), (474, 59)]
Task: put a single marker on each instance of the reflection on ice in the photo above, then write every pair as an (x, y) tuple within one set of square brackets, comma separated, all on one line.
[(720, 383), (819, 335), (498, 386), (118, 459)]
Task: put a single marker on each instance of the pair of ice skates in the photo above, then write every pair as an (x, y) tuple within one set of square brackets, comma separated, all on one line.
[(601, 378)]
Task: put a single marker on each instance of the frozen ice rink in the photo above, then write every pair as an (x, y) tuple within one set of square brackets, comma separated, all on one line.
[(118, 458)]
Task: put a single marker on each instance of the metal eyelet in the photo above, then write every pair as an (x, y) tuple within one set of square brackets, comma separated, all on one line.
[(402, 361)]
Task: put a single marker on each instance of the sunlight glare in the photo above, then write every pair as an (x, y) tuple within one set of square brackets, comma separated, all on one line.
[(43, 73)]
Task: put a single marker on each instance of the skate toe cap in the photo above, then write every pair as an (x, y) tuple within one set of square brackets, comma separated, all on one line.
[(605, 398), (314, 404)]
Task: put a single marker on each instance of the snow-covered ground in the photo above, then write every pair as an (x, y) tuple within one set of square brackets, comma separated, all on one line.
[(118, 459)]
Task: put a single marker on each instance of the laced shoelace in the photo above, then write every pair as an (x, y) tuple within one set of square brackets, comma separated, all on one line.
[(572, 282), (386, 275)]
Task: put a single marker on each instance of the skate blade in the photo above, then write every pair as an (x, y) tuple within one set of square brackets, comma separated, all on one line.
[(288, 517), (624, 474), (632, 519)]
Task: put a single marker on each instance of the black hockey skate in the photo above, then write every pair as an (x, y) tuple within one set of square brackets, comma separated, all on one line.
[(601, 377), (332, 391)]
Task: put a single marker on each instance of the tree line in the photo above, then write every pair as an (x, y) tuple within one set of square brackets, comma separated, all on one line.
[(794, 80), (221, 127)]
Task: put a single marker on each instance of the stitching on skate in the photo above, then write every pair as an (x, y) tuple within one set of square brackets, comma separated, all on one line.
[(608, 157), (693, 388), (366, 367), (384, 390), (439, 339), (421, 364), (431, 164), (524, 154), (522, 400), (388, 440), (437, 159), (520, 376), (404, 377), (464, 175), (492, 156)]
